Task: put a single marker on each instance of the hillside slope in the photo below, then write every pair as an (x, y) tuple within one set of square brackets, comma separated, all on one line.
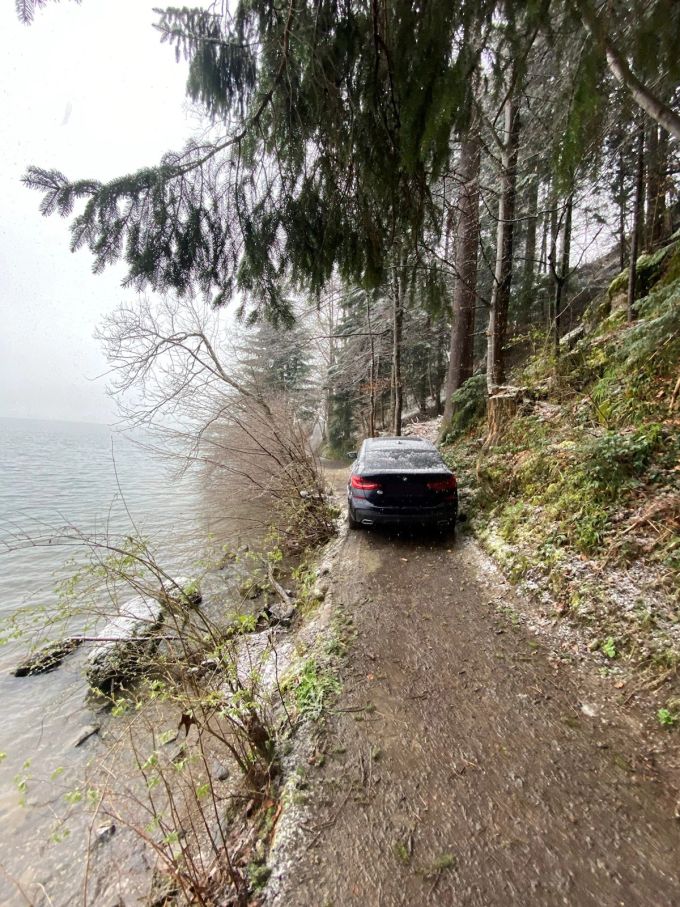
[(579, 501)]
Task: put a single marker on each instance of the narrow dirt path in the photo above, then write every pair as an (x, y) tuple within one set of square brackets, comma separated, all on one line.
[(467, 765)]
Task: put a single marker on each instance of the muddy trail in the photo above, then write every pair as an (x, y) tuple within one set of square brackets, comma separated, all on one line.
[(468, 763)]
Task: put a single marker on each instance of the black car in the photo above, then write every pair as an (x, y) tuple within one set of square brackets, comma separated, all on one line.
[(401, 480)]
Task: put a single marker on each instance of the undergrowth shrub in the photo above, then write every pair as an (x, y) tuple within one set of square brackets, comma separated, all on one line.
[(469, 406), (314, 685), (655, 341), (615, 458), (267, 451)]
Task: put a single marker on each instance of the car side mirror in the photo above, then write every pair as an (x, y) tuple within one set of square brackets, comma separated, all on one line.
[(352, 454), (462, 517)]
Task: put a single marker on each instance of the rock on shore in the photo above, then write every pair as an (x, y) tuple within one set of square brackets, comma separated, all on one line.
[(130, 639)]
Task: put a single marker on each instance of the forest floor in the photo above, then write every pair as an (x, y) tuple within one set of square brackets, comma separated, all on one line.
[(469, 758)]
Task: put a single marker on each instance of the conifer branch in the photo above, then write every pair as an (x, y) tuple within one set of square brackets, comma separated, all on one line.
[(26, 9), (642, 94)]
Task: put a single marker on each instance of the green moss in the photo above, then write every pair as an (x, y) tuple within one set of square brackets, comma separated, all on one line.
[(568, 479), (258, 875), (618, 284), (671, 267), (649, 268), (597, 310), (613, 321)]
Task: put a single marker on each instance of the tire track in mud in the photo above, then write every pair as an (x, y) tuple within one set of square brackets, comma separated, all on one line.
[(467, 765)]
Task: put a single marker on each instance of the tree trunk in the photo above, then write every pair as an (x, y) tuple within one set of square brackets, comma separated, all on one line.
[(622, 211), (657, 150), (665, 211), (562, 276), (371, 372), (330, 388), (502, 407), (397, 331), (637, 224), (439, 375), (543, 259), (465, 288), (552, 256), (500, 295), (652, 144), (529, 267)]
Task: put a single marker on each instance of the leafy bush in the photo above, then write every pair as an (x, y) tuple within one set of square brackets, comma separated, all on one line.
[(615, 458)]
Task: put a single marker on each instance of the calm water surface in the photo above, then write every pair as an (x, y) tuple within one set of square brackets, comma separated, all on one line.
[(55, 475)]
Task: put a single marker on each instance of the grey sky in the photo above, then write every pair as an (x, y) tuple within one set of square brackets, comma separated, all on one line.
[(89, 90)]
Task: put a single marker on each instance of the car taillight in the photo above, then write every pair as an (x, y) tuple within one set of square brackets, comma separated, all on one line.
[(364, 484), (443, 484)]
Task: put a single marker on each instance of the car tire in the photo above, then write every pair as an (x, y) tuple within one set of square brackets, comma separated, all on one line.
[(351, 522), (447, 533)]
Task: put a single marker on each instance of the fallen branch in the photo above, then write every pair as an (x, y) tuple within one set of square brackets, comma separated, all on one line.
[(652, 686), (79, 639), (278, 588)]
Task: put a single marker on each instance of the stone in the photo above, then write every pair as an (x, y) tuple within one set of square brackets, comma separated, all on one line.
[(85, 733), (320, 589), (47, 658), (105, 833), (221, 771), (129, 640), (570, 340)]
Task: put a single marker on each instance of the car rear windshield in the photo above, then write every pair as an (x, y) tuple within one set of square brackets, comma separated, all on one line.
[(400, 458)]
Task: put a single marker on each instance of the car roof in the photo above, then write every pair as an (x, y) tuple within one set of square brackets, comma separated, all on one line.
[(397, 442)]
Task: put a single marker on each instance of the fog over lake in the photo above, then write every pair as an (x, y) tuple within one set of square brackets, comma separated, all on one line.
[(67, 101)]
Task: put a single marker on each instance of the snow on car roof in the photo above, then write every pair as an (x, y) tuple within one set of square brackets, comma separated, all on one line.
[(391, 443)]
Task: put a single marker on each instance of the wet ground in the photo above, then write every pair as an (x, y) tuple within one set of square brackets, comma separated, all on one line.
[(467, 763)]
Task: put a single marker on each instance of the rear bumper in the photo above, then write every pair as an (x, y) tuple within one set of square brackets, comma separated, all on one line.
[(368, 514)]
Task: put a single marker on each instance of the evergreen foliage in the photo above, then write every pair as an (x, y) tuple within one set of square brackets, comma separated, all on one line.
[(26, 9), (341, 148), (336, 119)]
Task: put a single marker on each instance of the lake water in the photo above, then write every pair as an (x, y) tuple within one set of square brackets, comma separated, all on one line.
[(56, 475)]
